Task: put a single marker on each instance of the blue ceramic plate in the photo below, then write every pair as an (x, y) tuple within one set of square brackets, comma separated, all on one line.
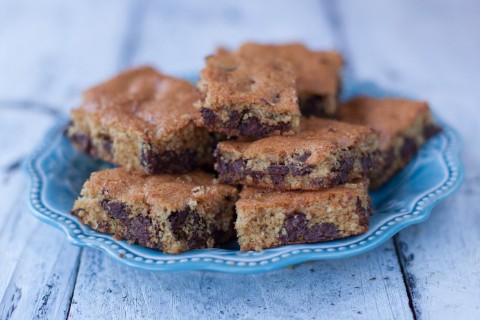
[(57, 172)]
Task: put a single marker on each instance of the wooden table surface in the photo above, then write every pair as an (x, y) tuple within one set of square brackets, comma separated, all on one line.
[(52, 50)]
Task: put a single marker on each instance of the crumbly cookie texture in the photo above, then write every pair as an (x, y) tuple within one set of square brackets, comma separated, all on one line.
[(142, 120), (172, 213), (266, 218), (248, 97), (403, 127), (324, 154), (318, 74)]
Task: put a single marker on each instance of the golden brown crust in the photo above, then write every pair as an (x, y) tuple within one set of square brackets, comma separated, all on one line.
[(324, 154), (256, 198), (232, 79), (142, 100), (173, 191), (403, 127), (172, 213), (317, 72), (267, 218), (317, 137), (142, 120), (388, 116)]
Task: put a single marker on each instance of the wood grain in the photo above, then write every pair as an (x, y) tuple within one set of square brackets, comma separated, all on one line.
[(137, 294), (49, 51), (435, 61), (52, 50), (369, 286)]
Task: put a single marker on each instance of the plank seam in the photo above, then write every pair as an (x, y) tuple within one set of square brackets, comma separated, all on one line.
[(72, 294), (404, 272)]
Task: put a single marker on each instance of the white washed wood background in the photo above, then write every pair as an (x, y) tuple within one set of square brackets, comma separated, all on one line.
[(51, 50)]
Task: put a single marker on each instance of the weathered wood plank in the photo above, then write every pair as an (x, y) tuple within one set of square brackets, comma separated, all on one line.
[(177, 35), (50, 51), (40, 267), (37, 265), (366, 287), (369, 286), (428, 49)]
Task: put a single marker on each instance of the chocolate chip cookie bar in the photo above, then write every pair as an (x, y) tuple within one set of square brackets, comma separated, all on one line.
[(172, 213), (248, 97), (142, 120), (318, 74), (268, 219), (403, 127), (325, 153)]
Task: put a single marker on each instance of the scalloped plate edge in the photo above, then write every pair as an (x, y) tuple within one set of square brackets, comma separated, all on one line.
[(212, 259)]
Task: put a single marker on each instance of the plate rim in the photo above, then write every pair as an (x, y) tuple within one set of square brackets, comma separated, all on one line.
[(246, 262)]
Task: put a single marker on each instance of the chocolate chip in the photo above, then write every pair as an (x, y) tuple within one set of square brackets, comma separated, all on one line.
[(369, 161), (234, 118), (115, 209), (363, 213), (389, 158), (343, 170), (198, 241), (251, 127), (231, 171), (238, 125), (281, 126), (321, 232), (313, 105), (147, 158), (176, 162), (169, 161), (277, 172), (102, 226), (238, 165), (304, 156), (293, 226), (137, 230), (209, 117), (177, 219), (318, 182), (430, 130), (300, 169), (255, 174), (366, 163), (190, 220), (409, 149), (222, 236), (82, 142)]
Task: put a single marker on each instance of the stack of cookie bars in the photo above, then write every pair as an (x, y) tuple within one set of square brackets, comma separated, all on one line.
[(260, 149)]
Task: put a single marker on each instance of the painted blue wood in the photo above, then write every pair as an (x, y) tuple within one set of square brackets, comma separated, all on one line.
[(429, 49), (51, 51)]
